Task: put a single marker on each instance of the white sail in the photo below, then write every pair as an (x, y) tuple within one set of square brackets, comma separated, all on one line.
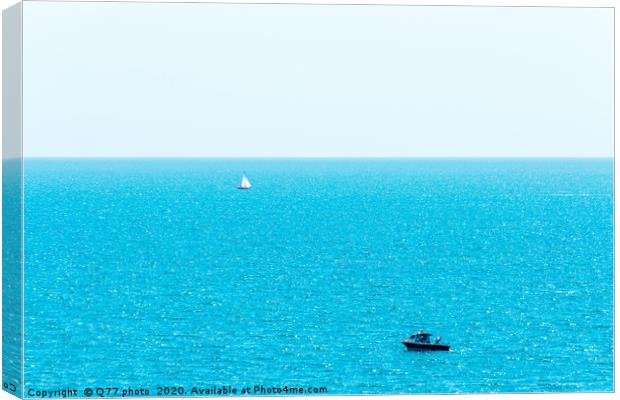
[(245, 183)]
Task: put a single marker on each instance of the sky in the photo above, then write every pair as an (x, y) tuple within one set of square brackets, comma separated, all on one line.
[(241, 80)]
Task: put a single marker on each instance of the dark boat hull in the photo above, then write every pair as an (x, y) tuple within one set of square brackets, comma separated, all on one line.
[(426, 346)]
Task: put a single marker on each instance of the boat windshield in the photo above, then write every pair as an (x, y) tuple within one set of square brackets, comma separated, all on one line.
[(422, 338)]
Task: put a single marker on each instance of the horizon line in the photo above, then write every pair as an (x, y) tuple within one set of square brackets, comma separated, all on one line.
[(319, 157)]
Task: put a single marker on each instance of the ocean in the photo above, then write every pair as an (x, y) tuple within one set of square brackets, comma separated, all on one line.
[(150, 273)]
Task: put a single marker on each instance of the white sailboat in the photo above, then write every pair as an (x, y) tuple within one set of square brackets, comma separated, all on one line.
[(245, 183)]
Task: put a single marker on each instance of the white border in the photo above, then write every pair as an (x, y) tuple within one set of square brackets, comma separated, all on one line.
[(4, 4), (505, 3)]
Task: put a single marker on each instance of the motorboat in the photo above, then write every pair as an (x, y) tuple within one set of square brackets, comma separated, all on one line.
[(423, 341)]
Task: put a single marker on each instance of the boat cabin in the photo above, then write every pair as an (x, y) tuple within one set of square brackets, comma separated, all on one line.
[(421, 337)]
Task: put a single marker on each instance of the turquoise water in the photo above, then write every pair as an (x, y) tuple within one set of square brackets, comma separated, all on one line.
[(159, 272)]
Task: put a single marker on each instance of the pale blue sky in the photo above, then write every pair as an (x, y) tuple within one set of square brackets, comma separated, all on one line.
[(153, 79)]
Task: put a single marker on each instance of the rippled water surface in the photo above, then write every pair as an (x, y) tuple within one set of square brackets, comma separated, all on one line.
[(160, 272)]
